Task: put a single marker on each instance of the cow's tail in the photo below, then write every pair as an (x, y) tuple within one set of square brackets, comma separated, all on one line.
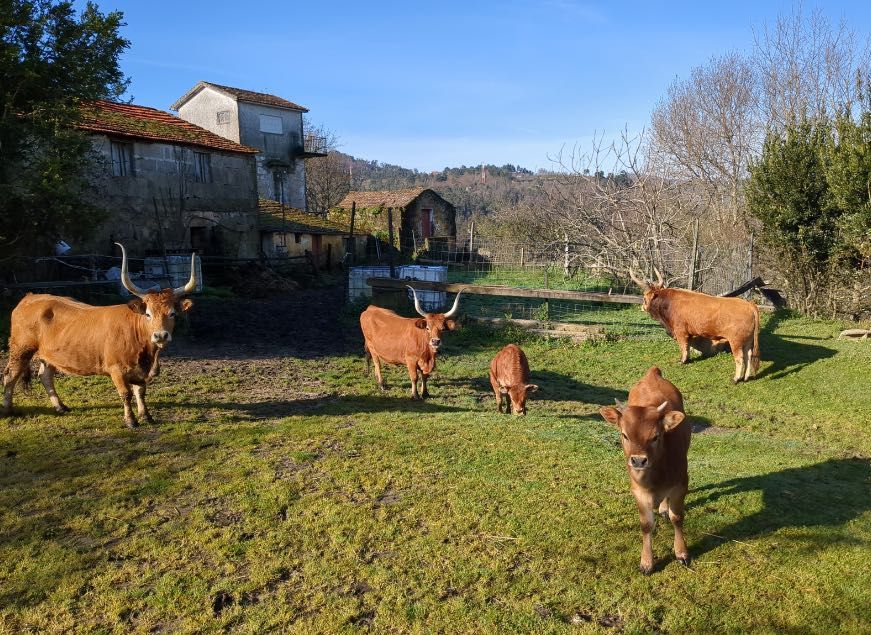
[(368, 357), (754, 357)]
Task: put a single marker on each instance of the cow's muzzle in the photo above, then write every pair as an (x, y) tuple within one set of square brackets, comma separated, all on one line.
[(435, 343), (638, 462), (161, 338)]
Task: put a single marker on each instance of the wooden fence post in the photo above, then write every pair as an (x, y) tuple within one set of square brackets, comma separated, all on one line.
[(352, 244), (694, 257), (390, 241)]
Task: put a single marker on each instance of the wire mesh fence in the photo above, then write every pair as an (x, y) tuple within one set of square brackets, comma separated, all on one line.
[(555, 265)]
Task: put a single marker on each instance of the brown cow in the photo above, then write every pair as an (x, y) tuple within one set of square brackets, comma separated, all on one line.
[(122, 341), (656, 437), (705, 322), (509, 376), (413, 342)]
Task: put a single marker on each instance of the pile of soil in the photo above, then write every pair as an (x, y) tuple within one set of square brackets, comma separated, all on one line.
[(254, 280)]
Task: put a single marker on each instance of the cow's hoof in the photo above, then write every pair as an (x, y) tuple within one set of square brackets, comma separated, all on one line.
[(646, 570), (61, 410), (684, 560), (416, 398), (383, 387), (424, 395), (131, 423), (148, 419)]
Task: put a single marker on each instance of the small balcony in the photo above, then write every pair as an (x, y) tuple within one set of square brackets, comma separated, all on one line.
[(314, 146)]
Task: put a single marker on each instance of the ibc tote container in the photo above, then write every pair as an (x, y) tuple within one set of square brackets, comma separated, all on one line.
[(430, 301), (357, 287)]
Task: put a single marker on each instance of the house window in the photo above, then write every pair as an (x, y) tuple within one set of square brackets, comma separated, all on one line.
[(122, 159), (297, 238), (199, 238), (271, 124), (202, 167), (223, 117)]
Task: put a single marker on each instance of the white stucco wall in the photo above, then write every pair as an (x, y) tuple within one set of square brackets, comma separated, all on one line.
[(203, 108)]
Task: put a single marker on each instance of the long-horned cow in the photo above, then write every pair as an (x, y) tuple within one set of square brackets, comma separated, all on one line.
[(509, 377), (655, 436), (412, 342), (122, 341), (705, 322)]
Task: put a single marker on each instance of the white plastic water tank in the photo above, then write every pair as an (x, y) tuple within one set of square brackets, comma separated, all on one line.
[(357, 287), (430, 301), (174, 269)]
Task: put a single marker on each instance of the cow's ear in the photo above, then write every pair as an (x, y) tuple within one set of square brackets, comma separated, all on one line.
[(611, 415), (137, 306), (185, 305), (531, 387), (450, 324), (673, 419), (420, 323)]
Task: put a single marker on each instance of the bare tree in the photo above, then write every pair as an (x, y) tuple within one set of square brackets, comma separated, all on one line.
[(327, 178)]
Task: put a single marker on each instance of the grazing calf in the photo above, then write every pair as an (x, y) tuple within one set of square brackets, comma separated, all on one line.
[(509, 376), (656, 437), (412, 342)]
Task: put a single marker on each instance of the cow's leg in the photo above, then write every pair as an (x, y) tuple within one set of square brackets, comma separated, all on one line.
[(376, 362), (47, 378), (412, 374), (663, 508), (683, 342), (676, 515), (644, 501), (738, 355), (748, 360), (17, 368), (141, 408), (496, 391), (123, 388), (424, 377)]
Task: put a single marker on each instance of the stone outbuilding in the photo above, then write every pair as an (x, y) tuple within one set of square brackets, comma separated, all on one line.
[(420, 216), (289, 232), (168, 185)]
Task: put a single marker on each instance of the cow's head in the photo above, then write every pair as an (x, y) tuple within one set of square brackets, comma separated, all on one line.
[(517, 394), (642, 430), (435, 323), (158, 308), (650, 289)]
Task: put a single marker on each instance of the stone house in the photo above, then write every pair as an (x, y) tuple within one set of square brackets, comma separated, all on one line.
[(168, 184), (291, 232), (271, 124), (420, 215)]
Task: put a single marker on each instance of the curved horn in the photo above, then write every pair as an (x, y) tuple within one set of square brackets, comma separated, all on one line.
[(659, 279), (662, 406), (191, 286), (641, 283), (620, 405), (125, 276), (456, 306), (416, 302)]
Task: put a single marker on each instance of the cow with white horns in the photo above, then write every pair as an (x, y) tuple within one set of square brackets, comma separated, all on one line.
[(412, 342), (123, 342)]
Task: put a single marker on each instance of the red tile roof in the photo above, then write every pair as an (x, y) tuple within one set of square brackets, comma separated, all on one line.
[(240, 94), (273, 217), (385, 198), (141, 122)]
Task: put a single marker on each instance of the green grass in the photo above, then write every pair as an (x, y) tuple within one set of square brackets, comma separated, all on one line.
[(289, 495)]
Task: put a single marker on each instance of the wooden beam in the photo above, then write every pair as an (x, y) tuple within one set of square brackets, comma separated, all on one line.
[(744, 288), (510, 292)]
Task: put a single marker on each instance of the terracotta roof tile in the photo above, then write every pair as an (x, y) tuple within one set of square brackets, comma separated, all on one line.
[(385, 198), (141, 122), (240, 94), (271, 217)]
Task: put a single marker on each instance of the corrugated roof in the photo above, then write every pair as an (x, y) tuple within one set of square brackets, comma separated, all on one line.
[(240, 94), (384, 198), (141, 122), (271, 217)]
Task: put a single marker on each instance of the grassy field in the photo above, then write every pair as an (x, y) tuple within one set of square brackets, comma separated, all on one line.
[(280, 492)]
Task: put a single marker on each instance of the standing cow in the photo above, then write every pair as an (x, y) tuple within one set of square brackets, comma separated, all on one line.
[(412, 342), (705, 322), (122, 341), (656, 437), (509, 376)]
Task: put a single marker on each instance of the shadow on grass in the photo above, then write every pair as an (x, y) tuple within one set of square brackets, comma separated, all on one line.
[(788, 356), (824, 495)]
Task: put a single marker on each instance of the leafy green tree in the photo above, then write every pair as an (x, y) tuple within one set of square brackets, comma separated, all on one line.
[(51, 59), (788, 194)]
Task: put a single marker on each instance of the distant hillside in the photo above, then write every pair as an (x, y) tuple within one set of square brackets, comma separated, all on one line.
[(475, 191)]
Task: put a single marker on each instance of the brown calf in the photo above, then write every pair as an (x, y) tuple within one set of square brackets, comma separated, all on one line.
[(509, 376), (656, 437), (412, 342)]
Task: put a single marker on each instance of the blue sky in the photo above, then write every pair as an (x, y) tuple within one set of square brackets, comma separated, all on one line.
[(430, 85)]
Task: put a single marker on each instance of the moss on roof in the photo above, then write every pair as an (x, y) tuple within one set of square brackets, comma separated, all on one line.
[(273, 217)]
